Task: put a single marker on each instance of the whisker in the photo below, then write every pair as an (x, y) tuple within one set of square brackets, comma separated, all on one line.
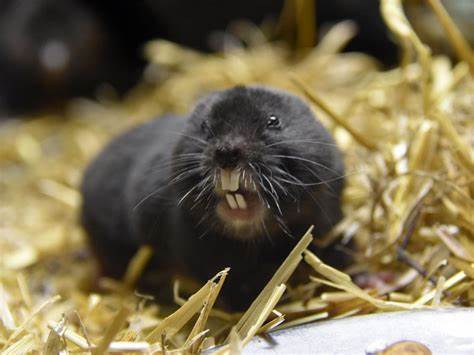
[(284, 190), (147, 197), (271, 185), (199, 140), (273, 194), (260, 175), (175, 163), (211, 226), (182, 175), (284, 227), (204, 190), (300, 183), (297, 181), (187, 194), (300, 141), (292, 157), (267, 234), (305, 188)]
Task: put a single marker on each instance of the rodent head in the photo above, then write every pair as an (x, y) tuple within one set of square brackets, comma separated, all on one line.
[(250, 157)]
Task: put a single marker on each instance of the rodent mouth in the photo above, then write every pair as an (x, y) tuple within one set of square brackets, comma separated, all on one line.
[(239, 202), (241, 207)]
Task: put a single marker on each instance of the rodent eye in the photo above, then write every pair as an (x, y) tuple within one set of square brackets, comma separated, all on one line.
[(273, 122)]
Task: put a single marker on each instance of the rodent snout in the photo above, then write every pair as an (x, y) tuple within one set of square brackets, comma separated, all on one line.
[(227, 156)]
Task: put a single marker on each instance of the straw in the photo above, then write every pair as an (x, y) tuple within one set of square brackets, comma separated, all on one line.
[(406, 135)]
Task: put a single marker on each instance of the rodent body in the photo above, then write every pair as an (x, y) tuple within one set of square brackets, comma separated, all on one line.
[(234, 184)]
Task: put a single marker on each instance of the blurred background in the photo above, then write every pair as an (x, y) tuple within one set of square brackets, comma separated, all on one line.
[(55, 50), (74, 73)]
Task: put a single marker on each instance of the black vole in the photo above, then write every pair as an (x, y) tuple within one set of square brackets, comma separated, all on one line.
[(234, 184)]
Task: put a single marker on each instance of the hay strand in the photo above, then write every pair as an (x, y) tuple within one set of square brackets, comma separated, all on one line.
[(407, 137)]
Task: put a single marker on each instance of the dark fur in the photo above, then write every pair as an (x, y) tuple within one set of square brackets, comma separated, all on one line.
[(131, 191)]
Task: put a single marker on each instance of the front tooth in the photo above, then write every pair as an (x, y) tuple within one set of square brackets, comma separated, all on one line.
[(241, 201), (234, 180), (231, 201), (225, 179)]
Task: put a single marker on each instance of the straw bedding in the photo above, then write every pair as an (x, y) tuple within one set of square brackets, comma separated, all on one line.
[(407, 135)]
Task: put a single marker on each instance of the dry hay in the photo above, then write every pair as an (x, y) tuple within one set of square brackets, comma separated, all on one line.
[(407, 135)]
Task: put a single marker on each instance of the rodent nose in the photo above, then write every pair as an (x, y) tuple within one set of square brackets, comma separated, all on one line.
[(228, 157)]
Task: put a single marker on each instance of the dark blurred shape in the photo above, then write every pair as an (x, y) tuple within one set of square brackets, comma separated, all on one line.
[(373, 36), (52, 50), (190, 22), (428, 27)]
